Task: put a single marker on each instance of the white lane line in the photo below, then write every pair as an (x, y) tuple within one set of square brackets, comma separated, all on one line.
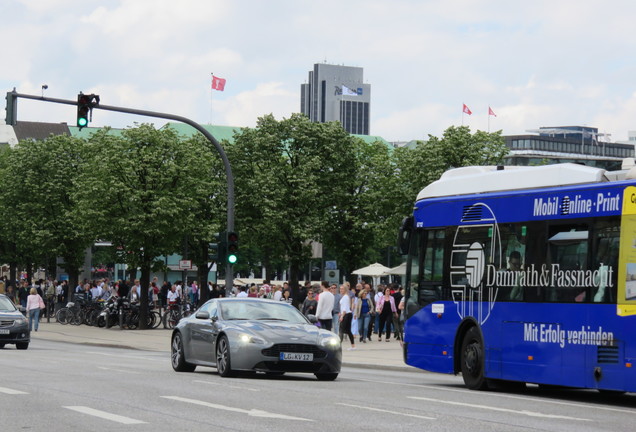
[(126, 356), (105, 415), (118, 370), (384, 411), (524, 398), (506, 410), (226, 385), (251, 413), (11, 391)]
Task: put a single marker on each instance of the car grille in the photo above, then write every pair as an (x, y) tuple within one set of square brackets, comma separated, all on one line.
[(6, 322), (275, 350)]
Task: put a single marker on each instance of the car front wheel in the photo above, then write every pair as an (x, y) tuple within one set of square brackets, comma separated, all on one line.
[(22, 345), (223, 361)]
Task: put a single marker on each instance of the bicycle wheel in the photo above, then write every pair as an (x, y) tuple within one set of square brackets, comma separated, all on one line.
[(62, 316), (156, 319), (171, 319), (77, 318), (133, 320)]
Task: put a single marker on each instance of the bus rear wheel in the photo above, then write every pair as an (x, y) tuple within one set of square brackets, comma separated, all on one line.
[(472, 360)]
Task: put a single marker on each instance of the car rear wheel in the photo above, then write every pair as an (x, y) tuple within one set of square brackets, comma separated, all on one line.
[(223, 361), (22, 345), (1, 345), (177, 357), (326, 376)]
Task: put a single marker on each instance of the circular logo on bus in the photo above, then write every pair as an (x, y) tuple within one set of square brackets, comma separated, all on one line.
[(475, 265)]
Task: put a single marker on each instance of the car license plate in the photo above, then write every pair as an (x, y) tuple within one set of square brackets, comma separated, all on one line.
[(296, 356), (4, 331)]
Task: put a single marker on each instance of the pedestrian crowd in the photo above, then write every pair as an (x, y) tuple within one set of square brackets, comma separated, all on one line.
[(359, 312)]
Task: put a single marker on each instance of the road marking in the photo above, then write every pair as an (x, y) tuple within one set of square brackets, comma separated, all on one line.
[(387, 411), (226, 385), (524, 398), (506, 410), (119, 370), (252, 412), (105, 415), (125, 356), (11, 391)]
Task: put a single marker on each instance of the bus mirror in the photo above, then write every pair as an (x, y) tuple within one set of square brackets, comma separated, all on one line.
[(404, 235)]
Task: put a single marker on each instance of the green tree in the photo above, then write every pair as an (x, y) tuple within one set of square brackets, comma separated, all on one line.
[(361, 216), (138, 191), (456, 148), (37, 183), (287, 174)]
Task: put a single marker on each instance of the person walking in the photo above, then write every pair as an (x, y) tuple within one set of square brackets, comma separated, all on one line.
[(325, 307), (364, 308), (335, 313), (33, 305), (310, 303), (386, 308), (346, 316)]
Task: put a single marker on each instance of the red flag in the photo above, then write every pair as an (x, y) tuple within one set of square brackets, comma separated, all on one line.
[(467, 110), (491, 112), (218, 83)]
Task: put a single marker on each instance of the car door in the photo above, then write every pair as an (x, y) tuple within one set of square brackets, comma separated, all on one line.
[(203, 333)]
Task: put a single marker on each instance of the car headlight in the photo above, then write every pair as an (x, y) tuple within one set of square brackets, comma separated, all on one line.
[(20, 321), (246, 338), (330, 342)]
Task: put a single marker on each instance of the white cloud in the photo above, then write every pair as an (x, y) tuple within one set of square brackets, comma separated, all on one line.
[(536, 63)]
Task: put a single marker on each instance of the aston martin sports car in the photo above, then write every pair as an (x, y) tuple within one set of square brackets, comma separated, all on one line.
[(249, 334)]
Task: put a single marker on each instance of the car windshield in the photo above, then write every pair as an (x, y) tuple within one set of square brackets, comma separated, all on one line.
[(6, 305), (252, 310)]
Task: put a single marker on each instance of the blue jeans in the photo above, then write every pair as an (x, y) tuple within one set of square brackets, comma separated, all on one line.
[(336, 323), (377, 323), (34, 314), (363, 325)]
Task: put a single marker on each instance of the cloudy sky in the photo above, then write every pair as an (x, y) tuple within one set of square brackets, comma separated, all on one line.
[(537, 63)]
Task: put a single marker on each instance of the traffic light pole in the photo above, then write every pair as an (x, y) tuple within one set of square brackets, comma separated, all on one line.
[(229, 278)]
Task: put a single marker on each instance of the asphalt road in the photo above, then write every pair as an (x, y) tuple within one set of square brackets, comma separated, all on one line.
[(57, 386)]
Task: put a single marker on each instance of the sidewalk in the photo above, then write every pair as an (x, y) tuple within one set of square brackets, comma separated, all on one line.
[(373, 355)]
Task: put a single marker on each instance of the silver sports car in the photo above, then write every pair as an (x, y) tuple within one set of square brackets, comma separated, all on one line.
[(249, 334)]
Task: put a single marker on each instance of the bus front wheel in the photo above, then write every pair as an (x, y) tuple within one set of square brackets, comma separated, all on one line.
[(472, 360)]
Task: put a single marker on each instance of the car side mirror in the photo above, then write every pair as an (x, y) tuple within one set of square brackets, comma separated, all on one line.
[(204, 315), (312, 318)]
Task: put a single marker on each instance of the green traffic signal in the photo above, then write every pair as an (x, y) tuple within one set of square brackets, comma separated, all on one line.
[(232, 247), (83, 108)]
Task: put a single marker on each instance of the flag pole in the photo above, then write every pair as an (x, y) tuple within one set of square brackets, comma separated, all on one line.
[(488, 118), (211, 97)]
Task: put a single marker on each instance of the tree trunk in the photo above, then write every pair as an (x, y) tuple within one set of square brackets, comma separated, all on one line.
[(144, 284), (202, 273), (13, 270)]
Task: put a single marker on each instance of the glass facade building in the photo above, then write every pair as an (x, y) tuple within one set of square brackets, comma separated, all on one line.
[(337, 93)]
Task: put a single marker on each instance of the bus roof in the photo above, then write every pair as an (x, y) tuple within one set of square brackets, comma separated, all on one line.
[(483, 179)]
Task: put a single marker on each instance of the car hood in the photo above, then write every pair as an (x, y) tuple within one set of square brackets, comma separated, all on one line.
[(282, 332), (11, 315)]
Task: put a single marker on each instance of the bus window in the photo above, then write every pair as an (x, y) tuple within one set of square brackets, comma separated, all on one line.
[(605, 260), (568, 255)]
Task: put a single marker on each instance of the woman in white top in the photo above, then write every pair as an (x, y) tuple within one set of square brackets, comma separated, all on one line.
[(34, 303), (346, 316)]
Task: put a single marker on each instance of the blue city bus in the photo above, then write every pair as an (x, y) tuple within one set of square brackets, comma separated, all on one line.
[(520, 275)]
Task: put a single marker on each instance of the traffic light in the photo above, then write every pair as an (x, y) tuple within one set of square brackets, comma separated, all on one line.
[(12, 108), (232, 247), (85, 104), (83, 109), (216, 248)]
